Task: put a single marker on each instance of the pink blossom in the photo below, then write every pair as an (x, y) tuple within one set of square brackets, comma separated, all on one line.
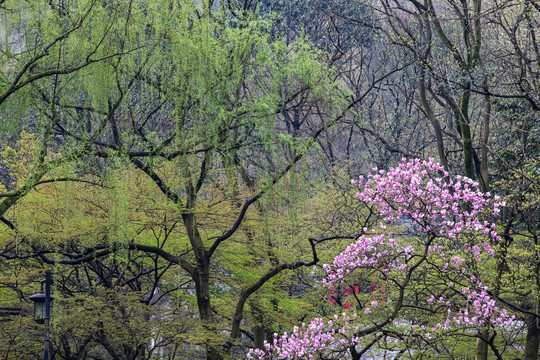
[(444, 209)]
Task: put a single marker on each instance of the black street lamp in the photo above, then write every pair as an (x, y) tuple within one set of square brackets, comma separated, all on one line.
[(42, 311)]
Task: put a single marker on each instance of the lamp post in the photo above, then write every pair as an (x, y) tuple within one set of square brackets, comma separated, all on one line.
[(42, 311)]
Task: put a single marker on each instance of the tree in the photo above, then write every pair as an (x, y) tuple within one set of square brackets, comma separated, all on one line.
[(194, 145), (190, 118), (466, 56), (426, 289), (37, 55)]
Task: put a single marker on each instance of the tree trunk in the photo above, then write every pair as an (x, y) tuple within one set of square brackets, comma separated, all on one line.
[(485, 139), (465, 127), (201, 278), (259, 334), (432, 118), (533, 339), (205, 311), (482, 346)]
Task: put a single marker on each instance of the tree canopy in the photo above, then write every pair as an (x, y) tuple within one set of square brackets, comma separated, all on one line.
[(184, 170)]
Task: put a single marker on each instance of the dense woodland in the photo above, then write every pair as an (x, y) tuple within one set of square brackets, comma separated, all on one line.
[(184, 169)]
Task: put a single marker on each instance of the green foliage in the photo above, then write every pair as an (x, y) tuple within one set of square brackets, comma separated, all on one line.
[(136, 125), (133, 106)]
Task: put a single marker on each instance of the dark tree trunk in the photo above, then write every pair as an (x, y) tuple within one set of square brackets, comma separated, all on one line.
[(533, 339), (482, 346)]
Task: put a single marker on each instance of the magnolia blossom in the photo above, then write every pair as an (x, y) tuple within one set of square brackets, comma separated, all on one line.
[(440, 206)]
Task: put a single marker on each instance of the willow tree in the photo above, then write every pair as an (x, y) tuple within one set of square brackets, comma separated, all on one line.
[(45, 48), (186, 97)]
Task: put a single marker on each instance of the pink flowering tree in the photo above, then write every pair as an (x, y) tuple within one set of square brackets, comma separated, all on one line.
[(410, 283)]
